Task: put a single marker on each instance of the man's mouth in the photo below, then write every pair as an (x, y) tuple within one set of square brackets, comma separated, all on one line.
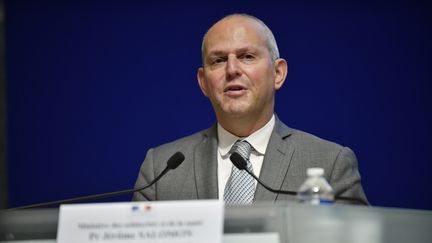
[(235, 90)]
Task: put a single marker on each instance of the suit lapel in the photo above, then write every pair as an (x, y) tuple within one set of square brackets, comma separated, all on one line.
[(205, 166), (276, 162)]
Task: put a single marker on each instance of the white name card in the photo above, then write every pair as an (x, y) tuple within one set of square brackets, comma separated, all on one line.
[(152, 222)]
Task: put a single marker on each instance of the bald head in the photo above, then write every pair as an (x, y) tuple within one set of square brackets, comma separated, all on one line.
[(261, 29)]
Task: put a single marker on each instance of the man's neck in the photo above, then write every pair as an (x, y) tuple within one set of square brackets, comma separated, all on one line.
[(244, 126)]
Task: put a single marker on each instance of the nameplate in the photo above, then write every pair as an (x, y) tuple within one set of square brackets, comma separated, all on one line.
[(153, 222)]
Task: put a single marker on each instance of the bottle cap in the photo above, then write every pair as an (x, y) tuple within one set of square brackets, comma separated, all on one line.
[(315, 171)]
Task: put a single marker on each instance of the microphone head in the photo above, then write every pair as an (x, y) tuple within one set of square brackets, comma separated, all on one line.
[(175, 160), (238, 161)]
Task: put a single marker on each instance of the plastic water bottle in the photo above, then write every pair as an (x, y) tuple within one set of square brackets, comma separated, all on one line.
[(315, 190)]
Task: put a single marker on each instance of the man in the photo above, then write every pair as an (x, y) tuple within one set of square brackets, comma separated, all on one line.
[(241, 73)]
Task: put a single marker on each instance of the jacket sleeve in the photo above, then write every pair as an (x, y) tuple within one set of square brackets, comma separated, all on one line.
[(345, 179), (146, 175)]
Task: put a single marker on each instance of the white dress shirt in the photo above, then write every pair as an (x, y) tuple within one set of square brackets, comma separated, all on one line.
[(259, 141)]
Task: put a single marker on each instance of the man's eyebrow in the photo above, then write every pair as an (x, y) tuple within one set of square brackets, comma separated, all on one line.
[(216, 53), (240, 50)]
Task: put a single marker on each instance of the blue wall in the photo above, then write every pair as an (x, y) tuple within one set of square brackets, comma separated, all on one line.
[(92, 86)]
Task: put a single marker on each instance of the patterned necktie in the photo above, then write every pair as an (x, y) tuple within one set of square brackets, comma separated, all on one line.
[(240, 186)]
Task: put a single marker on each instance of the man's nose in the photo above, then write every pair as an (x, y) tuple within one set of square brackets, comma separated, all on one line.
[(233, 69)]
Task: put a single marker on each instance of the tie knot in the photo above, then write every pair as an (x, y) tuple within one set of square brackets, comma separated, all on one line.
[(243, 148)]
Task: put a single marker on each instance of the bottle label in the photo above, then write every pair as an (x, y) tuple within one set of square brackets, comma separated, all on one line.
[(325, 202)]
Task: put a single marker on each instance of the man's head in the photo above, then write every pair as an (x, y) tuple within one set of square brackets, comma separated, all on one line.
[(269, 37), (241, 72)]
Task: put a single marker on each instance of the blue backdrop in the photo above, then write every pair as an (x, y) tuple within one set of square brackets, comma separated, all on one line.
[(92, 86)]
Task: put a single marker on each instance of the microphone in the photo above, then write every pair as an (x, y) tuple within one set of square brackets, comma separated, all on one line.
[(173, 162), (241, 164)]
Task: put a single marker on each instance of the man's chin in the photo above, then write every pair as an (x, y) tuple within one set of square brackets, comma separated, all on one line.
[(236, 112)]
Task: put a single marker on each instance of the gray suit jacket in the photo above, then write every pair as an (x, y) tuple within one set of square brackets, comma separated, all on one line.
[(289, 153)]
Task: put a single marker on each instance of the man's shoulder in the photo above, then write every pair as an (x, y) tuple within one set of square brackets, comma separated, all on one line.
[(307, 141), (187, 143), (313, 139), (313, 147)]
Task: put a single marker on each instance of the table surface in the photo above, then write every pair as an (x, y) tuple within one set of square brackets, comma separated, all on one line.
[(292, 222)]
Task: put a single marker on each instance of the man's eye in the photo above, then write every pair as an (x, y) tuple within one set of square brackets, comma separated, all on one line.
[(218, 60), (248, 57)]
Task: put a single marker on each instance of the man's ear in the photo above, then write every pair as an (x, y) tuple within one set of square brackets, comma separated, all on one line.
[(201, 81), (281, 69)]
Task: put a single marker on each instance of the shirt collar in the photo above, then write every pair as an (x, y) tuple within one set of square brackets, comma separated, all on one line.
[(259, 139)]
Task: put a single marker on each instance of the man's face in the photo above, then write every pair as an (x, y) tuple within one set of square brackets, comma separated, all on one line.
[(239, 76)]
